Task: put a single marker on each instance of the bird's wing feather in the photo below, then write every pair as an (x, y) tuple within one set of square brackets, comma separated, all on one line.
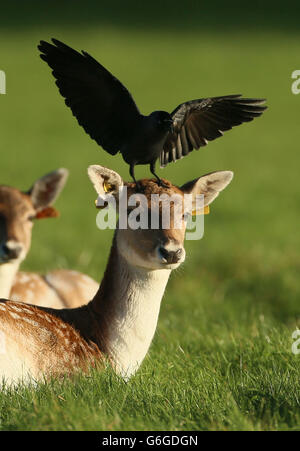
[(199, 121), (98, 100)]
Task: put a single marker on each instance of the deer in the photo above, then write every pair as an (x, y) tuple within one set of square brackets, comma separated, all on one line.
[(117, 325), (18, 210)]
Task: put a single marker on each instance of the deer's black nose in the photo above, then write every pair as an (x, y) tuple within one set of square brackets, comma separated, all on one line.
[(12, 250), (171, 256)]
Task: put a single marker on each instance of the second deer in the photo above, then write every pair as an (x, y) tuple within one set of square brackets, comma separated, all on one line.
[(59, 288)]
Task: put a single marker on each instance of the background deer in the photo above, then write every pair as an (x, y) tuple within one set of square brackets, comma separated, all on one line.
[(118, 324), (18, 210)]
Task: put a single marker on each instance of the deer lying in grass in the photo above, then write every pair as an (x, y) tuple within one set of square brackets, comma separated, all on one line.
[(59, 288), (118, 324)]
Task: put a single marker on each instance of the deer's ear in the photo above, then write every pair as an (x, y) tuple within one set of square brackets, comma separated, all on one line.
[(105, 181), (209, 185), (47, 189), (47, 212)]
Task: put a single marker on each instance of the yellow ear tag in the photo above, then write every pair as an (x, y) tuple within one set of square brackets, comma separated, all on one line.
[(203, 211), (107, 187)]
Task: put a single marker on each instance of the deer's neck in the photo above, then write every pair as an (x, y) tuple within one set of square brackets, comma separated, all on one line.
[(7, 275), (127, 307)]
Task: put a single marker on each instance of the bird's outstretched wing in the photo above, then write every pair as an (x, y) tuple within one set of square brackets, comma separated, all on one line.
[(199, 121), (98, 100)]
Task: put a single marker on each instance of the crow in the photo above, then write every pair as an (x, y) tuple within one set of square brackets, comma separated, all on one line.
[(107, 112)]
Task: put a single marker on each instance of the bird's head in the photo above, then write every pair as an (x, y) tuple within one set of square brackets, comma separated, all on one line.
[(162, 120)]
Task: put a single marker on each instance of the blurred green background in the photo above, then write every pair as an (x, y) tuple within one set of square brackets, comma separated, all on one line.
[(240, 283)]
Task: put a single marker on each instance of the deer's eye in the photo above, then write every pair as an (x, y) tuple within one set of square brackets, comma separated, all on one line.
[(31, 218)]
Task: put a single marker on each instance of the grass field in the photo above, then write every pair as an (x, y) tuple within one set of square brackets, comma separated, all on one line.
[(221, 358)]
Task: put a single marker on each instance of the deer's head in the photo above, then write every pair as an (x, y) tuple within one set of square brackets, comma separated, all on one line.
[(19, 209), (161, 247)]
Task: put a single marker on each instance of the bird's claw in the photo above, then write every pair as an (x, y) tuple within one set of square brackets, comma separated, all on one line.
[(161, 183), (139, 187)]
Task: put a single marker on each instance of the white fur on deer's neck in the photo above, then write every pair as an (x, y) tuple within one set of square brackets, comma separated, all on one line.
[(136, 294), (7, 275), (136, 316)]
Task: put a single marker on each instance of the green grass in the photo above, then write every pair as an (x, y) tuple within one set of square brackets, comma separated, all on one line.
[(221, 358)]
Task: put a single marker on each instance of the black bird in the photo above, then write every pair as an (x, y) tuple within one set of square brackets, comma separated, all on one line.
[(108, 113)]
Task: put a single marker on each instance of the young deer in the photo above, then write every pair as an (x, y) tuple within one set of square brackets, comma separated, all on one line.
[(58, 289), (118, 324)]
